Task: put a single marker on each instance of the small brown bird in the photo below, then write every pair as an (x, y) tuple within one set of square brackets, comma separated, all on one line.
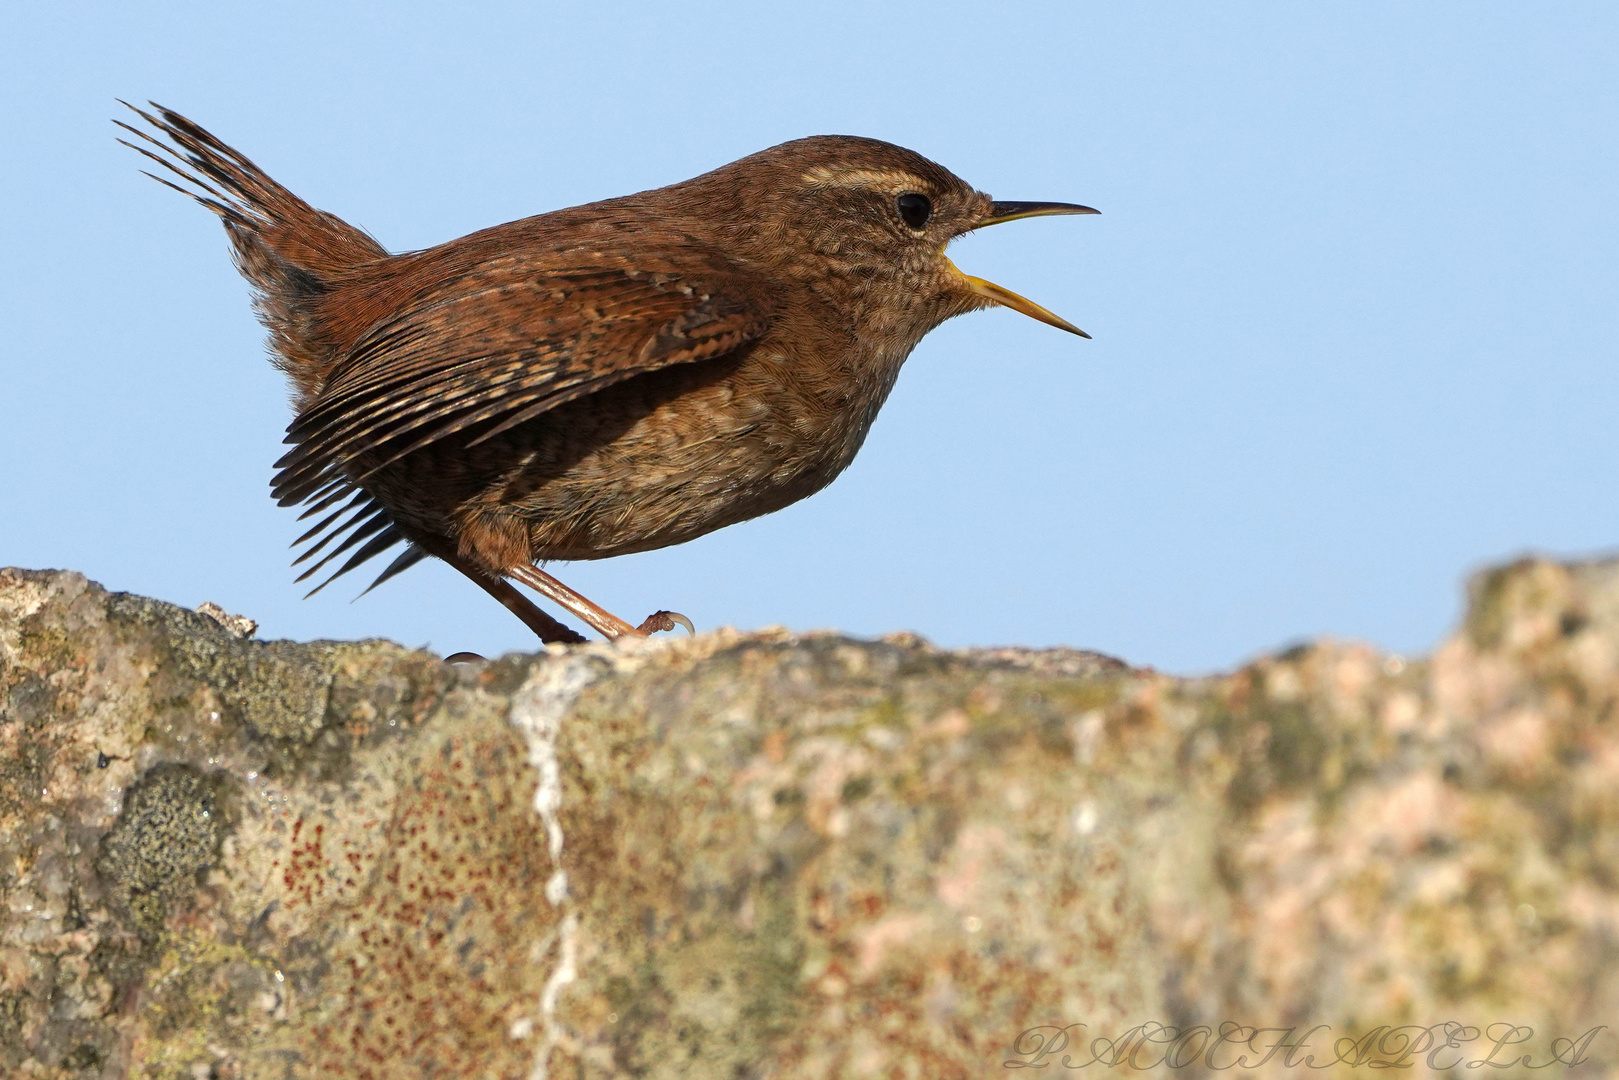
[(611, 378)]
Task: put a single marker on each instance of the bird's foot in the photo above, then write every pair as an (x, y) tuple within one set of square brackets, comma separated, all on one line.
[(665, 620)]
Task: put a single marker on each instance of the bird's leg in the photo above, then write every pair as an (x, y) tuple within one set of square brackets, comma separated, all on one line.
[(536, 620), (599, 619)]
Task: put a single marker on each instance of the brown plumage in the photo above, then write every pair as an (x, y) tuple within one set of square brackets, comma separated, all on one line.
[(605, 379)]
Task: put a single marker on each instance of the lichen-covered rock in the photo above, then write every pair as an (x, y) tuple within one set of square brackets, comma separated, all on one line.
[(779, 856)]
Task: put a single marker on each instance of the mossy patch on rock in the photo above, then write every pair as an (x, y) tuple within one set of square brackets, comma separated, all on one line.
[(168, 834)]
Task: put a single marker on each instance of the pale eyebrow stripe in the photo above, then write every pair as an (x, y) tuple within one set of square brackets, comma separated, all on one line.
[(879, 178)]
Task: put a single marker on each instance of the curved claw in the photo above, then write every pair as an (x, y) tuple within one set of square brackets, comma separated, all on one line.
[(666, 620), (466, 658)]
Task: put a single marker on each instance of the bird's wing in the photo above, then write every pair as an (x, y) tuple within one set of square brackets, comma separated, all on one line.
[(501, 343)]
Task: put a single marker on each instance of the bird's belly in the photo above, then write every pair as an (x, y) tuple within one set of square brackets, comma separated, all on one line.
[(669, 456)]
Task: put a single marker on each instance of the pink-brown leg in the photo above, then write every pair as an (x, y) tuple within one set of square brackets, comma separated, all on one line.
[(598, 618), (548, 629)]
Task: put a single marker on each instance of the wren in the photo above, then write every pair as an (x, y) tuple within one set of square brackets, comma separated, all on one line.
[(595, 381)]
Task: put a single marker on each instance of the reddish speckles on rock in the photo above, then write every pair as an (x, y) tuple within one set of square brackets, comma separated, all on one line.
[(305, 870), (415, 979)]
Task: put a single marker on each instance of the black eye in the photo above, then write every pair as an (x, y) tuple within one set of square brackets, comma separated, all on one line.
[(914, 208)]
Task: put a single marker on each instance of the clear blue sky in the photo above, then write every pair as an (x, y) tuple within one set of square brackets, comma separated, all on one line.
[(1353, 298)]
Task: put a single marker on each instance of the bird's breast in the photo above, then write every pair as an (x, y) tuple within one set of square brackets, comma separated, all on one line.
[(670, 455)]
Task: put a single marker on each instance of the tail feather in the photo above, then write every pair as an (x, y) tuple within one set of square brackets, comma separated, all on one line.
[(295, 257), (292, 253)]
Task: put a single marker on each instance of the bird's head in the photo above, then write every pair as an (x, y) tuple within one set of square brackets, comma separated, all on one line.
[(868, 221)]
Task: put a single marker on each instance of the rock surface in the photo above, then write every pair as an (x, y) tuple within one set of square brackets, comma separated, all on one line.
[(778, 856)]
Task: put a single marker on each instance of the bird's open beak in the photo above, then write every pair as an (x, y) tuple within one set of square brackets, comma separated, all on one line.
[(1013, 211)]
